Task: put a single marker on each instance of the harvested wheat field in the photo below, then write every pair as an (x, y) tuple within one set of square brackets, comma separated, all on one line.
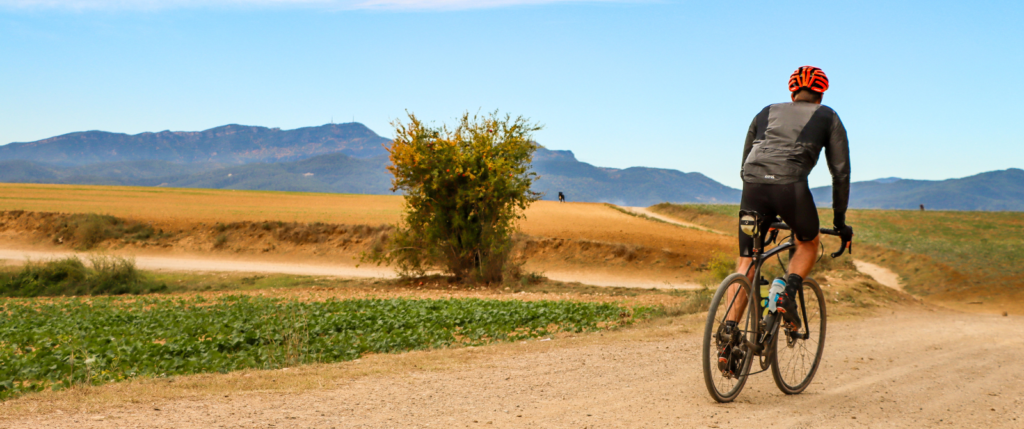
[(188, 206)]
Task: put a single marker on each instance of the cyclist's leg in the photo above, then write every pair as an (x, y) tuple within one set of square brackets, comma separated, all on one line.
[(804, 257), (798, 210), (796, 207), (740, 301), (755, 197)]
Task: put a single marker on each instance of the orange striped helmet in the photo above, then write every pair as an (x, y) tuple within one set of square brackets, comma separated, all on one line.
[(809, 77)]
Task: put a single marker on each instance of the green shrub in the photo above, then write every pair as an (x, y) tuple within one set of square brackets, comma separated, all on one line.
[(718, 267), (464, 191), (108, 275)]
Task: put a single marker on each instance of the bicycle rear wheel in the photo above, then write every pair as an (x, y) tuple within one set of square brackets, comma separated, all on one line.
[(796, 359), (725, 381)]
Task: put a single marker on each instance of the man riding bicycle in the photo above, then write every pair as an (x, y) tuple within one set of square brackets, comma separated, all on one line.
[(783, 144)]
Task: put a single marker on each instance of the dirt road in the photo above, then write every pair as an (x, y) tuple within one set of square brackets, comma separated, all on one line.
[(908, 368), (208, 264), (214, 264)]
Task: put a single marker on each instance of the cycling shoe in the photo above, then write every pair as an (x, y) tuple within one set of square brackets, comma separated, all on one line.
[(786, 305)]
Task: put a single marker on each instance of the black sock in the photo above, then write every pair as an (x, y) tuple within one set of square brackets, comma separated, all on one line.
[(793, 282), (731, 323)]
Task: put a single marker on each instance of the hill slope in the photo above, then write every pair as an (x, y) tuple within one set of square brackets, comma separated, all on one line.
[(1001, 190), (348, 158), (337, 172), (229, 144), (559, 170)]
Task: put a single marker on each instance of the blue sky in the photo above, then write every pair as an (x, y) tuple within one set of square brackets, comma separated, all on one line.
[(927, 90)]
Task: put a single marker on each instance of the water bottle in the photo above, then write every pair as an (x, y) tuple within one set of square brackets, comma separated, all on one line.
[(778, 286)]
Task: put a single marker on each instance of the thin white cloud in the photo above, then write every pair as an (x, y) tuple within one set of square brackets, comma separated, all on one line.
[(328, 4)]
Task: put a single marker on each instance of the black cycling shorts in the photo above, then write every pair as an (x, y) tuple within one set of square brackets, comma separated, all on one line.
[(792, 202)]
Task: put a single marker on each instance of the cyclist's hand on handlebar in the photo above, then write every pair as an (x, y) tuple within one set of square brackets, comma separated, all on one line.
[(845, 232)]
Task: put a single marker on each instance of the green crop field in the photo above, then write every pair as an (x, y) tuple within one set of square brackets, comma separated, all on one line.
[(56, 343)]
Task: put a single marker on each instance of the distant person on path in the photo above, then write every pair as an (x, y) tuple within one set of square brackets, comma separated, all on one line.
[(561, 197), (922, 207), (783, 144)]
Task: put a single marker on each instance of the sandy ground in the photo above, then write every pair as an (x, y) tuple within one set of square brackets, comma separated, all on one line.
[(881, 274), (910, 367)]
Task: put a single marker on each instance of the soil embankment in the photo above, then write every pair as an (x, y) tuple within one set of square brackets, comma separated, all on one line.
[(588, 243)]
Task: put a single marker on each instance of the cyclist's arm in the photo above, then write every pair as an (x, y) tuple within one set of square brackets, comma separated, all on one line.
[(748, 144), (837, 152)]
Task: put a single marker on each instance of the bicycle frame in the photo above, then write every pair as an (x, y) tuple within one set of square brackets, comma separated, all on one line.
[(759, 334), (754, 297), (758, 258)]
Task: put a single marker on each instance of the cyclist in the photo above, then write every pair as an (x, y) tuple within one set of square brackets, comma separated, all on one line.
[(782, 146)]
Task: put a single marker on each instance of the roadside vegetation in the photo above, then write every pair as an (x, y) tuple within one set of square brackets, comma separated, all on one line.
[(104, 275), (465, 189), (84, 231), (54, 344)]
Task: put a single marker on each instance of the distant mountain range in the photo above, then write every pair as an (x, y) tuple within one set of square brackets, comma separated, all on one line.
[(345, 158), (230, 144), (351, 158), (1001, 190)]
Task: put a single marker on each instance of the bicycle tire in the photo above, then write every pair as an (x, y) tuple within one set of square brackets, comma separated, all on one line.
[(719, 386), (793, 363)]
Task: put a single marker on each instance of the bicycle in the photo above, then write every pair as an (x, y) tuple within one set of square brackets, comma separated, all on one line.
[(794, 359)]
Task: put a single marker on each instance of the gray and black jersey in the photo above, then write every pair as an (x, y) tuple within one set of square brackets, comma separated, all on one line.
[(784, 142)]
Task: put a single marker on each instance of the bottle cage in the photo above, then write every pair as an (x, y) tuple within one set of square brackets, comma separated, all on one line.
[(750, 222)]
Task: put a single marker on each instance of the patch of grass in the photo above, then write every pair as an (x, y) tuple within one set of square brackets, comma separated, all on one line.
[(696, 301), (968, 241), (932, 251), (220, 241), (201, 282), (85, 231), (59, 343), (71, 277)]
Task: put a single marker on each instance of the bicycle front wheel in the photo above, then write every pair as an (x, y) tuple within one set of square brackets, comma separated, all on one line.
[(798, 354), (725, 377)]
